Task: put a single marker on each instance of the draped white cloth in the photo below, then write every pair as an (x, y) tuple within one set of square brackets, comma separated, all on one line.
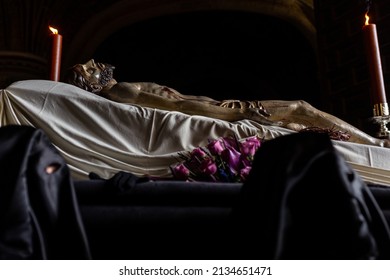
[(98, 135)]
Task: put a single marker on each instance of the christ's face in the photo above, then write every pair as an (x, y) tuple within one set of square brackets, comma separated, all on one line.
[(97, 76), (91, 71)]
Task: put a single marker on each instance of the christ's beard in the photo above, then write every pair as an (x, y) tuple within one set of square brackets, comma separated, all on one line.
[(106, 76)]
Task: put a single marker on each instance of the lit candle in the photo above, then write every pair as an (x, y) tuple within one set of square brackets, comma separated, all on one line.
[(378, 93), (56, 55)]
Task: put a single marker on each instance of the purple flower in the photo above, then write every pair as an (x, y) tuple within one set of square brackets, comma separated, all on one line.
[(208, 167), (215, 147), (250, 146), (232, 158), (181, 172), (245, 172), (255, 140), (198, 153), (230, 142), (225, 160)]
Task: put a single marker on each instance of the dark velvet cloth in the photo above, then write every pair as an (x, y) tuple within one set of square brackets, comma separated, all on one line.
[(303, 201), (39, 214), (157, 219)]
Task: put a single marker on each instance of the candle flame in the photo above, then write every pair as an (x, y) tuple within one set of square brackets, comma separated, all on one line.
[(52, 29), (367, 19)]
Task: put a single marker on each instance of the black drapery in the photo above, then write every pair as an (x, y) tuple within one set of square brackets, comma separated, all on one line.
[(303, 201), (39, 215)]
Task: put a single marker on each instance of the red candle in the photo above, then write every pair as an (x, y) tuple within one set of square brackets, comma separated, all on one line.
[(378, 93), (56, 55)]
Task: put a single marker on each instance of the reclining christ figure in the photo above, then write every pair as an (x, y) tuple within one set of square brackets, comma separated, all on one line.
[(295, 115)]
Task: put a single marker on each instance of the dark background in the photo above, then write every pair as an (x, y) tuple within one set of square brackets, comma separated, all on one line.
[(244, 49), (222, 54)]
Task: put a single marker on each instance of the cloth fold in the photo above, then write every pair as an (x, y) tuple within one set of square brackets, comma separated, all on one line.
[(121, 181)]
